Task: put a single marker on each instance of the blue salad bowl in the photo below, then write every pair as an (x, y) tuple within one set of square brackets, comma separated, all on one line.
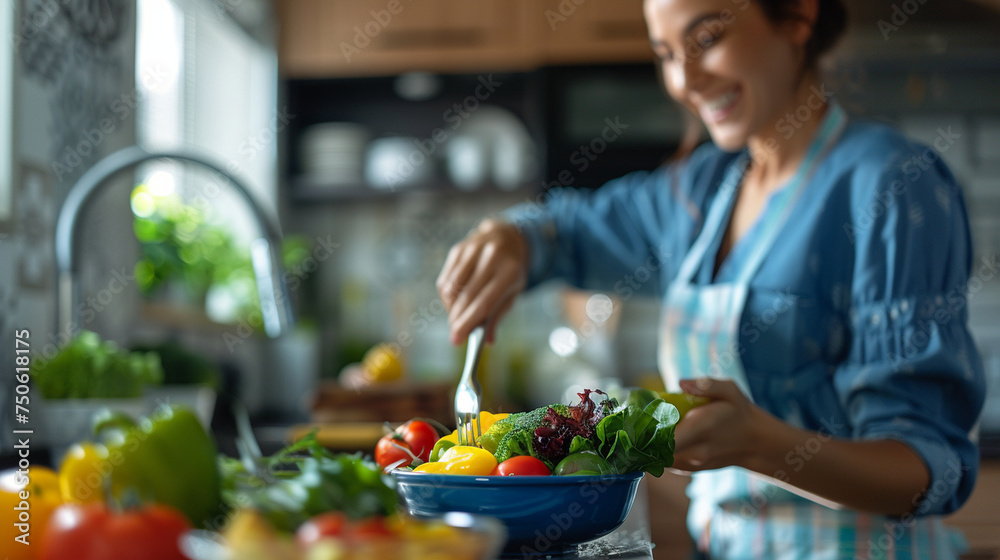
[(543, 514)]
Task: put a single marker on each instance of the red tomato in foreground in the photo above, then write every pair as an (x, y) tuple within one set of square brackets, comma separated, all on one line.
[(521, 465), (92, 532), (336, 525), (371, 528), (332, 524), (420, 436)]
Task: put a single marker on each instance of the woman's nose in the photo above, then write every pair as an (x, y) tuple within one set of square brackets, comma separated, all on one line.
[(685, 73)]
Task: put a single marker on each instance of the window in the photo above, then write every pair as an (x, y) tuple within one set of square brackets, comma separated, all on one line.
[(206, 83), (6, 115)]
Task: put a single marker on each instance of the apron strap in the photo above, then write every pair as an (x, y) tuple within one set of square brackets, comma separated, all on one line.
[(722, 207)]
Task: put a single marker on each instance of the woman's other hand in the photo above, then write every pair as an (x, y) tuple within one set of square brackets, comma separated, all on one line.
[(721, 433), (482, 276)]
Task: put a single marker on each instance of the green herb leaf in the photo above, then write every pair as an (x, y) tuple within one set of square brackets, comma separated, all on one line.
[(639, 439)]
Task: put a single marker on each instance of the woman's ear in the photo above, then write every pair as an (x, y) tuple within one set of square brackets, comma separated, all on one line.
[(803, 22)]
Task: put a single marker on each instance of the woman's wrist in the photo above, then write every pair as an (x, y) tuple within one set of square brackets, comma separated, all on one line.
[(511, 236), (769, 442)]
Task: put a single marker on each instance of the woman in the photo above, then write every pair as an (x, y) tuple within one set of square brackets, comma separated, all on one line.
[(813, 278)]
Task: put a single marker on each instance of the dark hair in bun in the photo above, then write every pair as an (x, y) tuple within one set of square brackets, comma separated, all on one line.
[(831, 22)]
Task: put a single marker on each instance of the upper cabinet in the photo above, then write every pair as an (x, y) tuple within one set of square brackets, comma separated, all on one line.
[(324, 38), (589, 31)]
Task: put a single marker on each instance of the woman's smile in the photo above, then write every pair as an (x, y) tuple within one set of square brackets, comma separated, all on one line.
[(719, 107)]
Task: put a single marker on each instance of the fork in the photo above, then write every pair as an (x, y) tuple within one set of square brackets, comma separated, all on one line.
[(469, 391)]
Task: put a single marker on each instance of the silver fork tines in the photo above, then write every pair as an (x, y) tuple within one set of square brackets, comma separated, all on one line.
[(469, 392)]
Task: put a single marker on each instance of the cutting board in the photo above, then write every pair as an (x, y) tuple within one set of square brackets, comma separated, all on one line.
[(342, 436)]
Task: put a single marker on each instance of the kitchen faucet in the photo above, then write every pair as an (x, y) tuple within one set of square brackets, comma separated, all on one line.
[(275, 306)]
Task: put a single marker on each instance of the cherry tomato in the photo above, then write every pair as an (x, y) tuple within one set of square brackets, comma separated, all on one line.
[(372, 528), (521, 465), (420, 436), (334, 525), (324, 525), (93, 532), (392, 448)]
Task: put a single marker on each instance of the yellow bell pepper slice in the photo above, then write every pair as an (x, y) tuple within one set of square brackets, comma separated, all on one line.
[(462, 459), (487, 419)]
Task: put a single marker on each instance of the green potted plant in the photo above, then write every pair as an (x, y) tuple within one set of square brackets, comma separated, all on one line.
[(86, 375)]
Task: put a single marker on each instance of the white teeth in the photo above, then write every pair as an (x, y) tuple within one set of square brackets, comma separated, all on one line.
[(722, 101)]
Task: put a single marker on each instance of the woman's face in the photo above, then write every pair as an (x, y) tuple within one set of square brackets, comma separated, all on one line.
[(726, 62)]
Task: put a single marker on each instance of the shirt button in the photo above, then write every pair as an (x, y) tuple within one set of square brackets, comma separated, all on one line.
[(893, 313), (904, 305), (876, 318)]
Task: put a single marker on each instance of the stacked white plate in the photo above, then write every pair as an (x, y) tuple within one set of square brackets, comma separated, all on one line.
[(333, 154)]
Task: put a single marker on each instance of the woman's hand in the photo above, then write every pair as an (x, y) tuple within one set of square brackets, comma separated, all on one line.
[(732, 431), (482, 276), (721, 433)]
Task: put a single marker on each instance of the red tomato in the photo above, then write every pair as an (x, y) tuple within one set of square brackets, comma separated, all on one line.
[(371, 528), (92, 532), (336, 525), (390, 449), (521, 465), (331, 524), (420, 436)]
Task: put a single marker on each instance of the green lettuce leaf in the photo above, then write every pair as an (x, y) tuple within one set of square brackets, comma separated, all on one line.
[(635, 438)]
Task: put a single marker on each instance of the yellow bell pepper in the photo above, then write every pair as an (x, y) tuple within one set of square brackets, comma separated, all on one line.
[(25, 520), (487, 419), (462, 459), (84, 473)]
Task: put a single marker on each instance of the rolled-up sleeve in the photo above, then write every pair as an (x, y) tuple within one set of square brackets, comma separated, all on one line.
[(913, 373), (591, 238), (595, 238)]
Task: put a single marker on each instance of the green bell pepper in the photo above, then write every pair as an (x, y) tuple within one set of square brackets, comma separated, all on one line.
[(167, 458)]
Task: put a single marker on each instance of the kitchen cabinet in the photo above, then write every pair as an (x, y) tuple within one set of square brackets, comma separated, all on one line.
[(590, 31), (320, 38)]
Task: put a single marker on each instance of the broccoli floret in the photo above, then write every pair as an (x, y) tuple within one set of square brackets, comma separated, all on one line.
[(515, 434)]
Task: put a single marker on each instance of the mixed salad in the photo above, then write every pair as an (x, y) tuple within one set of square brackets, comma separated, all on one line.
[(593, 437)]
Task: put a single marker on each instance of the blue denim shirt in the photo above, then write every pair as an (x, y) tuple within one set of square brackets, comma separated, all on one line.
[(856, 322)]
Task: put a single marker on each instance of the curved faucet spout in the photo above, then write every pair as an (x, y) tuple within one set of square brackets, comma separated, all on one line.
[(271, 289)]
